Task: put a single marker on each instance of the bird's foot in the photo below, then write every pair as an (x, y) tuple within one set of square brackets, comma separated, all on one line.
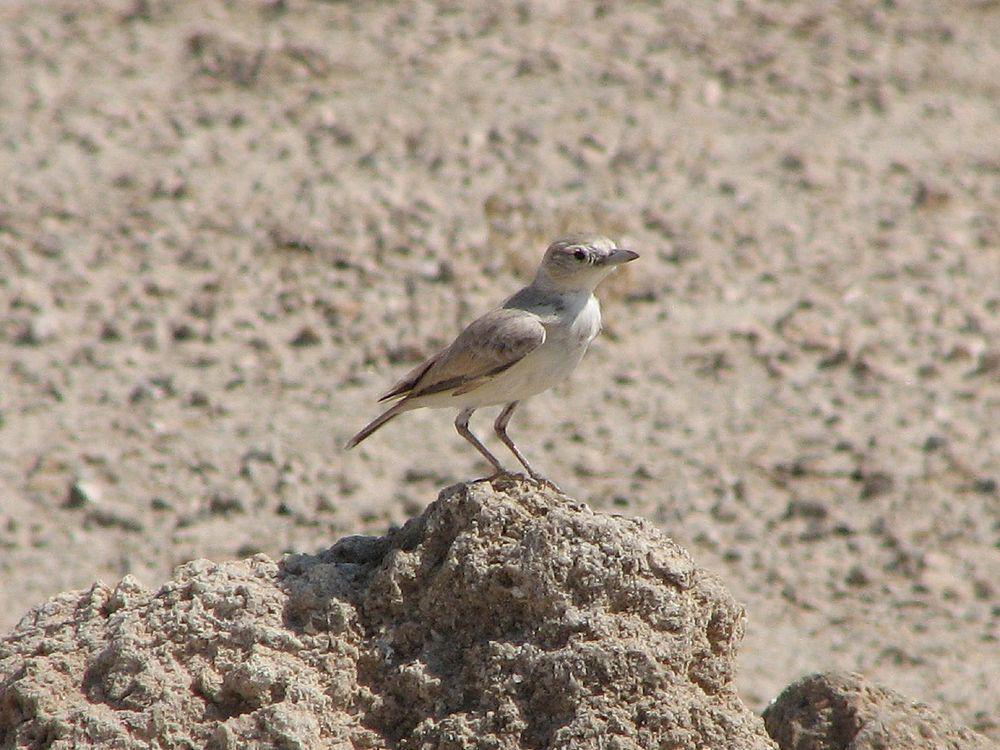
[(544, 482), (519, 477), (499, 474)]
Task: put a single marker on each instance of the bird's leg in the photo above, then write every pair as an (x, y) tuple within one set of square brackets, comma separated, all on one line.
[(500, 427), (462, 425)]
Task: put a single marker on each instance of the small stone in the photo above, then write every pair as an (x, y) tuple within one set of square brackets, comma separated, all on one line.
[(49, 245), (440, 272), (223, 504), (111, 518), (876, 484), (985, 486), (857, 577), (934, 442), (139, 394), (37, 331), (325, 504), (82, 494), (110, 332), (203, 306), (198, 399), (988, 363), (801, 508), (642, 473), (158, 503), (711, 92), (792, 162), (183, 332), (306, 337)]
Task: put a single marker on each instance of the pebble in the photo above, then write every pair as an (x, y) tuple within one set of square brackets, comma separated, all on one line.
[(306, 337), (82, 494)]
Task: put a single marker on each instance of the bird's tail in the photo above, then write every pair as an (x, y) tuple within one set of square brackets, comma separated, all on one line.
[(380, 420)]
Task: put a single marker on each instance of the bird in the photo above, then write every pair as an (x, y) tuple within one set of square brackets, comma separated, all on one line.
[(530, 343)]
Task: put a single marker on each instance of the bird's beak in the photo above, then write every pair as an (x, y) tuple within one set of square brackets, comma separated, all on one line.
[(619, 256)]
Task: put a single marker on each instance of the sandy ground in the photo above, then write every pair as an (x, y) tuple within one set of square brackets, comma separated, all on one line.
[(226, 227)]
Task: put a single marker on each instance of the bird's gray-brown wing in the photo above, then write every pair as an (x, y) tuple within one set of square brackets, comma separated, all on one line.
[(410, 379), (487, 347)]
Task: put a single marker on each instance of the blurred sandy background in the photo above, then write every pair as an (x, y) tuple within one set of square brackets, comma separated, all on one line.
[(226, 227)]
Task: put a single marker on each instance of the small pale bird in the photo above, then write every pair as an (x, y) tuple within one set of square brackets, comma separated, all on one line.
[(527, 345)]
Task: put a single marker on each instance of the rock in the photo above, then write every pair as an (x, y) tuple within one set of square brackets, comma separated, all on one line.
[(90, 497), (306, 337), (843, 711), (114, 518), (504, 616), (82, 494), (40, 329)]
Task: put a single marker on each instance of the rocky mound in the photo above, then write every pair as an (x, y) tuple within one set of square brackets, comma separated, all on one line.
[(504, 616), (843, 711)]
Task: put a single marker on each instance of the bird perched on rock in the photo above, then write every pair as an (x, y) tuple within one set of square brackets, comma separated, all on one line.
[(527, 345)]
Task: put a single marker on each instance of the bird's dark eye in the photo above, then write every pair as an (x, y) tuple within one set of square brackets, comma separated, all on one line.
[(580, 254)]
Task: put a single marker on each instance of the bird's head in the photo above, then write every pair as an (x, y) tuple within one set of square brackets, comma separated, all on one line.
[(580, 262)]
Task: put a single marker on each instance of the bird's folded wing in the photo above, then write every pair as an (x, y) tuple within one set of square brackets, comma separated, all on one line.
[(487, 347)]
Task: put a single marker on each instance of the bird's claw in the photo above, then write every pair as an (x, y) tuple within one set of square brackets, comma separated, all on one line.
[(531, 477), (539, 479)]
